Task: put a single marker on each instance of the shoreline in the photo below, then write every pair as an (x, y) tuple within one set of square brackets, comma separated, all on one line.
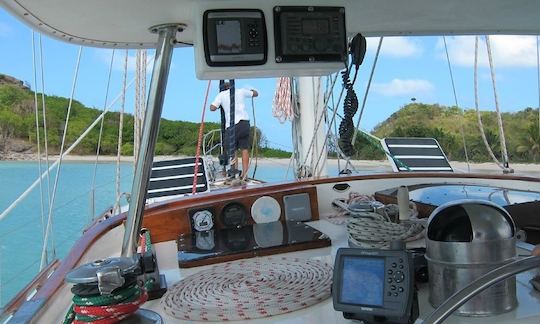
[(361, 165)]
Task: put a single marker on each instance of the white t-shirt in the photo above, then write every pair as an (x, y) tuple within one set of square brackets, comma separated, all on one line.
[(224, 99)]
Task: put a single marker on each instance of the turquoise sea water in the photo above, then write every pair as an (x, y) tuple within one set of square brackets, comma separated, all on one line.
[(21, 232)]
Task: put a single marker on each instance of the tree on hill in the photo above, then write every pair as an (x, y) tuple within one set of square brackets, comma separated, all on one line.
[(17, 121), (445, 124)]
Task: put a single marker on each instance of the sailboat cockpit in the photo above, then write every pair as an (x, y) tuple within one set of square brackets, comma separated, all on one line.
[(423, 246)]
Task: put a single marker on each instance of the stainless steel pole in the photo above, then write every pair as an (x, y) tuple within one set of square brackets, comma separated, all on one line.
[(145, 156)]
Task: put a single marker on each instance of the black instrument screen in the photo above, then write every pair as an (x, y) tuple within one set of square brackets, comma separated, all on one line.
[(234, 215), (229, 36), (310, 34), (363, 281), (315, 26)]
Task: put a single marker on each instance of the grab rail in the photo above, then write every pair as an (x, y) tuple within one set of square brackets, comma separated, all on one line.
[(461, 297)]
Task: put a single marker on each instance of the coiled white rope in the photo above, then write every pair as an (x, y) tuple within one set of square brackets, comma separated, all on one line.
[(249, 289), (372, 230), (371, 224), (282, 107)]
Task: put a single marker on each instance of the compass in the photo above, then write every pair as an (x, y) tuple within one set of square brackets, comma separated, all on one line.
[(202, 220)]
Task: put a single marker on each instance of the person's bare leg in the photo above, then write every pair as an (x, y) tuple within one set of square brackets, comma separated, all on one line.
[(245, 163)]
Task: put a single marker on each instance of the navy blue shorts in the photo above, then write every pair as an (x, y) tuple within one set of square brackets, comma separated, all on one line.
[(241, 133)]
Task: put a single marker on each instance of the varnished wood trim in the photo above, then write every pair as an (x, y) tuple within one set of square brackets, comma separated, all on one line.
[(254, 253), (76, 253), (167, 221), (56, 280)]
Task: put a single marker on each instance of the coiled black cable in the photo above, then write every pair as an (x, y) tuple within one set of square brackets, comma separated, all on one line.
[(350, 106), (357, 50)]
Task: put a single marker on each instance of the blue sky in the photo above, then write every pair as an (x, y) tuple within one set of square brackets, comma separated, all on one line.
[(407, 67)]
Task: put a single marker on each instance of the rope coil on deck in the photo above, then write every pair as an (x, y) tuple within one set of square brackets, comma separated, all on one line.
[(249, 289), (372, 224)]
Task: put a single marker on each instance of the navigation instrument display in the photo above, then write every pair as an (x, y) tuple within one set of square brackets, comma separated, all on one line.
[(366, 275), (229, 36), (371, 285), (309, 34), (234, 37), (315, 26)]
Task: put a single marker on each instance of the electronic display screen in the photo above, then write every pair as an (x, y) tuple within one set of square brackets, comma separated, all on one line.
[(363, 281), (229, 36), (315, 26)]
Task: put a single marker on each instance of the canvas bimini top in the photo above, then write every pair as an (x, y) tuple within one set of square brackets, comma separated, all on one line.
[(126, 23)]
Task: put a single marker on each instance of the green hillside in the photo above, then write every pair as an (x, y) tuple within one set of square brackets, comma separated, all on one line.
[(445, 123), (17, 124)]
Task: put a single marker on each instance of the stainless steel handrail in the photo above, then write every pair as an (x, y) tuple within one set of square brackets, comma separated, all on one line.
[(158, 84), (461, 297)]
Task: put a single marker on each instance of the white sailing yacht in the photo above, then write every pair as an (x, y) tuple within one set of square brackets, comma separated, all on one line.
[(272, 252)]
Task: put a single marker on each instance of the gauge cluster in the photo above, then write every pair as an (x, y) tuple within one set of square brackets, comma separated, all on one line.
[(291, 205)]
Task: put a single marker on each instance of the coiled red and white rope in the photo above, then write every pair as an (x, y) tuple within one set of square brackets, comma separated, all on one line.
[(282, 107), (249, 289)]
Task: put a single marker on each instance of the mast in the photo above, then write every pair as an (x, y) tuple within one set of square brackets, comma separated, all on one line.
[(149, 134), (311, 128)]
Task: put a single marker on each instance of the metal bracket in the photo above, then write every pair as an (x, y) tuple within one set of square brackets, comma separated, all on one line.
[(109, 279)]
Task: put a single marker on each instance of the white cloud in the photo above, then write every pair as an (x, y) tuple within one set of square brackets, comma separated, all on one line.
[(398, 87), (507, 51), (395, 46)]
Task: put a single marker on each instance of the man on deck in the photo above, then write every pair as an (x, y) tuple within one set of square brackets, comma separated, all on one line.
[(241, 120)]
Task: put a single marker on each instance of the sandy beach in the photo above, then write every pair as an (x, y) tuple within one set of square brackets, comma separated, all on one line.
[(378, 166)]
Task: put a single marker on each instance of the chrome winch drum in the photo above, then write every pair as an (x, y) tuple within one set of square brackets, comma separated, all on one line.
[(466, 239)]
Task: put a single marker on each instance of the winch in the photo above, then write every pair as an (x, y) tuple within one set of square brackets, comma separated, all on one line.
[(113, 289), (104, 276)]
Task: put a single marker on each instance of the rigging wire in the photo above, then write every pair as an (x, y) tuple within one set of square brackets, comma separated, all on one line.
[(318, 123), (43, 112), (93, 187), (140, 102), (57, 176), (41, 204), (199, 140), (120, 130), (502, 139), (254, 146), (479, 117), (25, 194), (457, 105), (326, 136)]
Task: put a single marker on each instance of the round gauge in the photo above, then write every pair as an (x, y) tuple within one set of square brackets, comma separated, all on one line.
[(202, 220), (205, 240), (234, 215), (265, 210)]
